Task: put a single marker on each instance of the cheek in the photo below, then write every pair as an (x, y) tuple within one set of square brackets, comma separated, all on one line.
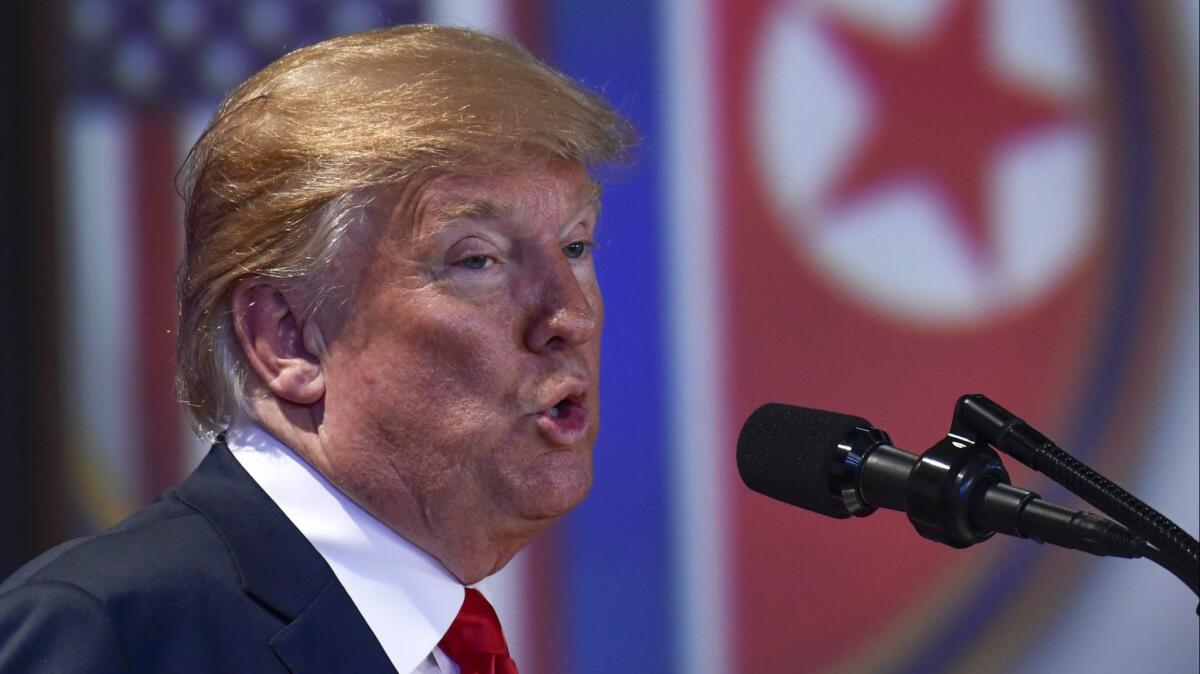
[(460, 358), (425, 372)]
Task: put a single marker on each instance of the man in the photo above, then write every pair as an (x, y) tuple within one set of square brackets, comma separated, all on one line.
[(390, 321)]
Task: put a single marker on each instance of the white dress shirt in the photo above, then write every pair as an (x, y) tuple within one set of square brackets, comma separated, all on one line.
[(407, 598)]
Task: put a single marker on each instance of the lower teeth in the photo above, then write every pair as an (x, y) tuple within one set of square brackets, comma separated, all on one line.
[(555, 412)]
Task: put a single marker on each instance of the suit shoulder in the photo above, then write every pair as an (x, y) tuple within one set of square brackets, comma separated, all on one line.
[(52, 626), (166, 548), (163, 585)]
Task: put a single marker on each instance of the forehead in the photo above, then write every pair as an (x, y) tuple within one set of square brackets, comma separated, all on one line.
[(554, 191)]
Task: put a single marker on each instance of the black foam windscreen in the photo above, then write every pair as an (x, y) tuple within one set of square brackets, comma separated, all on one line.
[(785, 452)]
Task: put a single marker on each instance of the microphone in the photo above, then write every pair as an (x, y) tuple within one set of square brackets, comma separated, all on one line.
[(957, 493)]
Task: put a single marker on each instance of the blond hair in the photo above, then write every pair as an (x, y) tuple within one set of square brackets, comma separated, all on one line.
[(269, 187)]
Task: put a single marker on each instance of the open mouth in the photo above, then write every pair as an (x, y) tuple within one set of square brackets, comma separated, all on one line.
[(564, 422), (565, 408)]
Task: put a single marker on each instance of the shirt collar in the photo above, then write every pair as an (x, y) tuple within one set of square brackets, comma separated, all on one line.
[(407, 597)]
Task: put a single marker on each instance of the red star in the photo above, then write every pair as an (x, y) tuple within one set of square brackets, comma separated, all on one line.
[(941, 113)]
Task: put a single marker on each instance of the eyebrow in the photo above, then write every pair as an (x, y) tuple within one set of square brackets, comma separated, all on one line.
[(472, 209), (446, 214)]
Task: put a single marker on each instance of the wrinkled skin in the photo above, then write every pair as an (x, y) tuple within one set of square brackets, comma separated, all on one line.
[(427, 396)]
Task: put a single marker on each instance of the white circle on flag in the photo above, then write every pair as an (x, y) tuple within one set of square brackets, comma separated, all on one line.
[(900, 247)]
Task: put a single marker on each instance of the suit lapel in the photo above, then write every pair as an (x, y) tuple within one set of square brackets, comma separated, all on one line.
[(321, 639), (283, 572)]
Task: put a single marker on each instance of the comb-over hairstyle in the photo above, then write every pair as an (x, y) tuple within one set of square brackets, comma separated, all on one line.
[(270, 186)]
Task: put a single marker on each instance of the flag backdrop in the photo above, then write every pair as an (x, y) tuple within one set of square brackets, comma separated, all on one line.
[(865, 206)]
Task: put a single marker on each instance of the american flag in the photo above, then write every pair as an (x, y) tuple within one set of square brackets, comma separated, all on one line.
[(144, 79)]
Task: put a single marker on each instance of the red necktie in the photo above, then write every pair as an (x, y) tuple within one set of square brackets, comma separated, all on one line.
[(475, 642)]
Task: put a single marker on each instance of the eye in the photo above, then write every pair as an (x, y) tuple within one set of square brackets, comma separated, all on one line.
[(475, 262), (577, 249)]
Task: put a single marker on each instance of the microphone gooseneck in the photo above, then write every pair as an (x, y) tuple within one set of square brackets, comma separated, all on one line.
[(1165, 542)]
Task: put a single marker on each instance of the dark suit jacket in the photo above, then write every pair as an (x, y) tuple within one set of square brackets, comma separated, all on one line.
[(210, 578)]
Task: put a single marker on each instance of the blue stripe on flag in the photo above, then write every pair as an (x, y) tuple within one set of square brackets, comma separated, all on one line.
[(617, 558)]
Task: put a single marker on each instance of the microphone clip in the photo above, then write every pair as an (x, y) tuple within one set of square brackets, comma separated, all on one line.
[(943, 486)]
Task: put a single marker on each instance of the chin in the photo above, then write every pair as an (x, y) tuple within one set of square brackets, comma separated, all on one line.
[(561, 482)]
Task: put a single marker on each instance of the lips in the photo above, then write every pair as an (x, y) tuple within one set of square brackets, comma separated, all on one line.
[(565, 420)]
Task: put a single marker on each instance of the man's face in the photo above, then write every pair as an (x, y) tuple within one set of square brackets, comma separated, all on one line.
[(461, 386)]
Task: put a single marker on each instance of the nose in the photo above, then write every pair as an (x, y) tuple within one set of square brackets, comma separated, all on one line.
[(565, 311)]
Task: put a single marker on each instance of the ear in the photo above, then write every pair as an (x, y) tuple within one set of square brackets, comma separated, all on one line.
[(285, 355)]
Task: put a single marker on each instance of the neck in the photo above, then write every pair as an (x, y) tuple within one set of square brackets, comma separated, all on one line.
[(460, 541)]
